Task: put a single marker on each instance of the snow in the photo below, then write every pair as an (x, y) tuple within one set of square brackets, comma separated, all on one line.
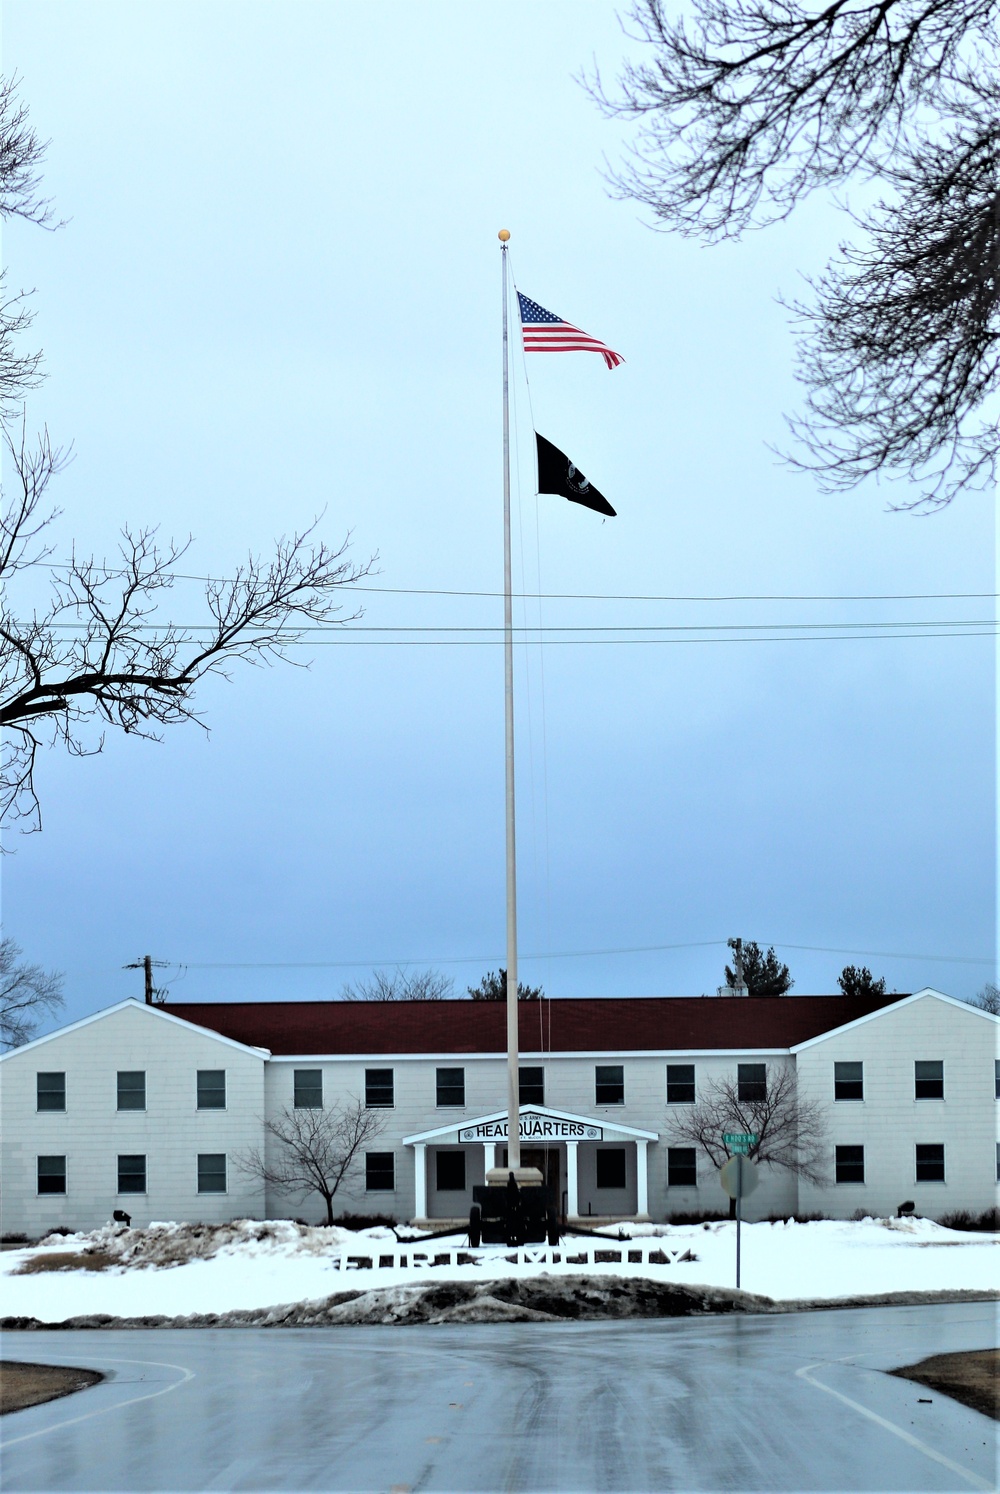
[(177, 1269)]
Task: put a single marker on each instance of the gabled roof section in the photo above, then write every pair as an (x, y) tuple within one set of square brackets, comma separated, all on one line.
[(895, 1005), (697, 1024), (154, 1011)]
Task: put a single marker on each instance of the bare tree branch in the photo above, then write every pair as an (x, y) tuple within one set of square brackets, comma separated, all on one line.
[(314, 1149), (100, 656), (901, 347), (750, 105), (400, 985), (27, 994)]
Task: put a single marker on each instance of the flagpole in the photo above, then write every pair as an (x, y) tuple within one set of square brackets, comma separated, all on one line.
[(513, 1086)]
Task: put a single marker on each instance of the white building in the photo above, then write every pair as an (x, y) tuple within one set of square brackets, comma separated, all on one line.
[(149, 1109)]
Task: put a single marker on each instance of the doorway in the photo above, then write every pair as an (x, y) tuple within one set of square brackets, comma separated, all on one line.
[(546, 1159)]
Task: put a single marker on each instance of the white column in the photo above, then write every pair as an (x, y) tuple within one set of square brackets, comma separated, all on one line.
[(572, 1199), (641, 1177), (489, 1155), (420, 1180)]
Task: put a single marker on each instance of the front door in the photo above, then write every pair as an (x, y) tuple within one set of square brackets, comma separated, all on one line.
[(546, 1159)]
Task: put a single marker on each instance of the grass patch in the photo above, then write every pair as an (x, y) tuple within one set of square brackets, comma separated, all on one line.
[(67, 1260), (972, 1378), (23, 1385)]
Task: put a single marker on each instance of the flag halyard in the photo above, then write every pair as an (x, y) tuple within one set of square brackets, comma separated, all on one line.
[(544, 332)]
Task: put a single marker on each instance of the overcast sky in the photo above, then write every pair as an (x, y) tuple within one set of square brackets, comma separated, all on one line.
[(277, 294)]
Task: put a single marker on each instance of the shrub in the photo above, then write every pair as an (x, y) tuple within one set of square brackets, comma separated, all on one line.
[(988, 1221), (364, 1221), (705, 1217), (10, 1239), (797, 1218)]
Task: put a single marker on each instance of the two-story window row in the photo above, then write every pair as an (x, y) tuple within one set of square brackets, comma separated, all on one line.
[(130, 1089), (131, 1173), (928, 1079)]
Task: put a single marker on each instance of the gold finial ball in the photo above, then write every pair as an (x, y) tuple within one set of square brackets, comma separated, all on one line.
[(503, 235)]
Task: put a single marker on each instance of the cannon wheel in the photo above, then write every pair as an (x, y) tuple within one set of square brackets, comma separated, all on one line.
[(475, 1226), (552, 1227)]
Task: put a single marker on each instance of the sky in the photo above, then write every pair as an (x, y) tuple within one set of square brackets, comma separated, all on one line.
[(276, 296)]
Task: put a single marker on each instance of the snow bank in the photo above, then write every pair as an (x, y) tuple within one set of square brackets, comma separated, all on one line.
[(176, 1270)]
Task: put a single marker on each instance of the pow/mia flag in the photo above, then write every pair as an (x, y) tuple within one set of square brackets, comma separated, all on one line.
[(556, 474)]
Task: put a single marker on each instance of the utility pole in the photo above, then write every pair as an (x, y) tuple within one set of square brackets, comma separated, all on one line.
[(146, 966)]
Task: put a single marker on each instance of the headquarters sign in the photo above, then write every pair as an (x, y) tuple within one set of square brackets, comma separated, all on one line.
[(533, 1127)]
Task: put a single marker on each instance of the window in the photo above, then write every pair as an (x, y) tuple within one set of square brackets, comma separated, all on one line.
[(52, 1174), (609, 1083), (211, 1172), (308, 1086), (451, 1172), (680, 1083), (50, 1092), (848, 1081), (211, 1090), (131, 1089), (380, 1172), (751, 1082), (850, 1163), (379, 1090), (132, 1174), (682, 1167), (996, 1079), (611, 1167), (451, 1087), (928, 1079), (531, 1086), (930, 1164)]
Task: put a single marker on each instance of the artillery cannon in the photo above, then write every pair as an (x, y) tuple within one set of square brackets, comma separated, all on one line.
[(508, 1212)]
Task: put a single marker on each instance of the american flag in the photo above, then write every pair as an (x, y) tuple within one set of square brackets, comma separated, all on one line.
[(546, 333)]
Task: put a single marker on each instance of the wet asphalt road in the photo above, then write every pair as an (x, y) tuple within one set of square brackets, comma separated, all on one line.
[(794, 1402)]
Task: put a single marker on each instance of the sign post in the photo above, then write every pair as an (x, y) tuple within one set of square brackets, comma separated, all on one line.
[(739, 1178)]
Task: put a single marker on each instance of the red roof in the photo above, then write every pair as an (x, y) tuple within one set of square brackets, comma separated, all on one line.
[(602, 1024)]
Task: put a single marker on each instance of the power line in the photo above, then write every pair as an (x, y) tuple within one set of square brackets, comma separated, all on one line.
[(564, 596), (339, 629), (566, 954)]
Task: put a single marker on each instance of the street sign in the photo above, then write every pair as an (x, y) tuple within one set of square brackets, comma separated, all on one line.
[(739, 1177), (740, 1141)]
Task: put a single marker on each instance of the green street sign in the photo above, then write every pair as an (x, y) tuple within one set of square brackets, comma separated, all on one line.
[(740, 1141)]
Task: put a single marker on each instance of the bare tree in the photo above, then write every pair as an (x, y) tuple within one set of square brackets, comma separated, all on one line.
[(400, 985), (21, 156), (27, 994), (988, 999), (101, 654), (790, 1131), (314, 1149), (748, 106)]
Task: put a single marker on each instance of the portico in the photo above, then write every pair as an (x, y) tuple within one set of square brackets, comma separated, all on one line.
[(565, 1146)]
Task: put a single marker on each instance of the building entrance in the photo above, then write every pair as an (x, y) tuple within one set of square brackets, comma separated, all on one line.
[(546, 1159)]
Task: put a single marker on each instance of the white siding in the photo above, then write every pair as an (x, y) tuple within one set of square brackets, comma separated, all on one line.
[(889, 1122), (92, 1132)]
